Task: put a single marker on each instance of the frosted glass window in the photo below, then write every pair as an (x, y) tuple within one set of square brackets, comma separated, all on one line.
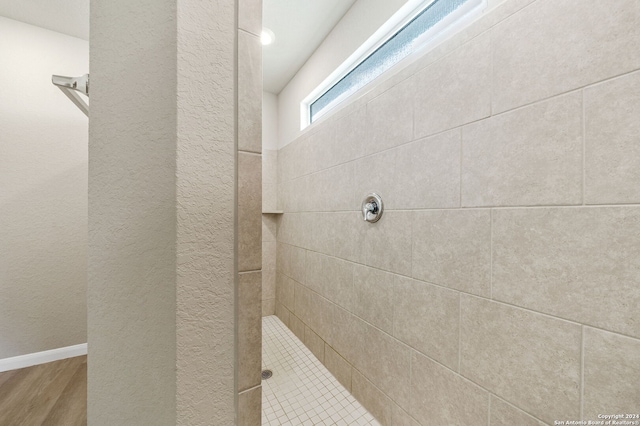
[(399, 46)]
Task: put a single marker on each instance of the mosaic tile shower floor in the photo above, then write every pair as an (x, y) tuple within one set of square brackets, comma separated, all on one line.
[(302, 391)]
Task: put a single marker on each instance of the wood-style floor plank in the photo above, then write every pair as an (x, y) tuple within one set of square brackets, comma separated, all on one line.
[(71, 407), (28, 395)]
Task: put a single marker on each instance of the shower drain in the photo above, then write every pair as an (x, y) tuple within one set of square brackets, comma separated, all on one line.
[(266, 374)]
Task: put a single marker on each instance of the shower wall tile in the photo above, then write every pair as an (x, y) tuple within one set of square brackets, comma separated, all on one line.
[(268, 307), (421, 174), (349, 236), (549, 48), (612, 144), (505, 414), (517, 355), (428, 173), (530, 156), (452, 248), (297, 326), (338, 366), (389, 120), (249, 208), (348, 333), (250, 16), (314, 343), (390, 368), (330, 277), (372, 296), (372, 398), (455, 90), (426, 317), (269, 228), (249, 92), (319, 156), (579, 263), (268, 270), (388, 242), (315, 311), (329, 190), (611, 374), (285, 288), (282, 313), (441, 397), (249, 330), (250, 407), (400, 417)]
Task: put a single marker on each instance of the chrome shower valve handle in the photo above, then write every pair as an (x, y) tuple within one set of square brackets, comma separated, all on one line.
[(372, 208)]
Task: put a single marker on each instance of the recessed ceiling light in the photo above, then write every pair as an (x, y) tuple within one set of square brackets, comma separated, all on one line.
[(267, 37)]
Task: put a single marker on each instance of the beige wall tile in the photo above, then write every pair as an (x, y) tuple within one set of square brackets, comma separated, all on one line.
[(388, 242), (400, 417), (249, 212), (612, 148), (270, 166), (389, 119), (441, 397), (319, 152), (348, 336), (330, 277), (530, 156), (249, 92), (269, 197), (348, 236), (297, 326), (249, 330), (338, 366), (314, 343), (268, 307), (298, 256), (582, 264), (517, 355), (330, 190), (372, 398), (452, 248), (611, 374), (428, 173), (269, 228), (455, 90), (387, 365), (376, 173), (282, 313), (427, 318), (548, 48), (250, 407), (373, 296), (505, 414), (285, 291), (250, 16), (421, 174), (315, 311), (268, 270)]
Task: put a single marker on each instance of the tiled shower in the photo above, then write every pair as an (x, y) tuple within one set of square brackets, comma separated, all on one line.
[(500, 286)]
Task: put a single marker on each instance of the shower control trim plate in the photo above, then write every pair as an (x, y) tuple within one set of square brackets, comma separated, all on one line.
[(372, 208)]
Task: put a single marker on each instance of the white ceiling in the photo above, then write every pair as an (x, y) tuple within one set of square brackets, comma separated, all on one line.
[(299, 27), (69, 17)]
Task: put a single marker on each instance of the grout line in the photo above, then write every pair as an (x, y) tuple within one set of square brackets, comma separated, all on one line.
[(582, 374), (584, 151), (491, 254), (460, 333), (489, 411)]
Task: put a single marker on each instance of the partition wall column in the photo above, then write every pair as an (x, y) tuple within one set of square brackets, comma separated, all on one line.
[(163, 226)]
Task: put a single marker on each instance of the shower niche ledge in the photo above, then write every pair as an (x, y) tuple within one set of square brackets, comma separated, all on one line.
[(272, 212)]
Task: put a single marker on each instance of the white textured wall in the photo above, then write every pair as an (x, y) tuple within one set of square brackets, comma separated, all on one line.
[(43, 187), (162, 214), (132, 214)]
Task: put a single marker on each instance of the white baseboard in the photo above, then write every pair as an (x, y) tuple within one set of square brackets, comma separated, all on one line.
[(36, 358)]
